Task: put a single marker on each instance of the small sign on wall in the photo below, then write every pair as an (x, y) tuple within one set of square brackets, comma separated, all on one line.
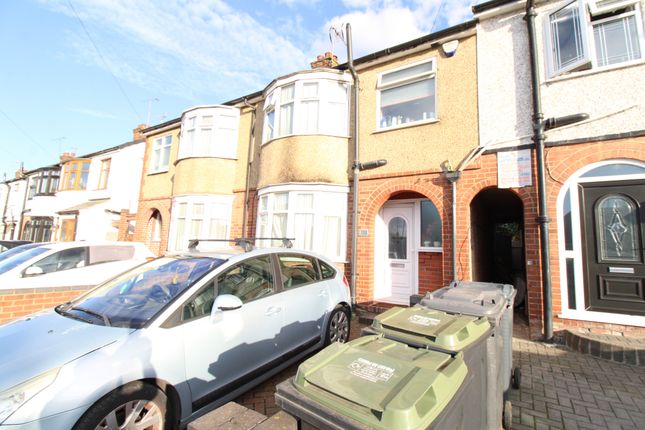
[(514, 169), (363, 232)]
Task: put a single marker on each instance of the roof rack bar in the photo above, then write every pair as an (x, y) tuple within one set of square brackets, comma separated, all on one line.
[(244, 242)]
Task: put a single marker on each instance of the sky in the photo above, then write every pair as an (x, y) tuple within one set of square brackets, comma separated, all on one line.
[(79, 75)]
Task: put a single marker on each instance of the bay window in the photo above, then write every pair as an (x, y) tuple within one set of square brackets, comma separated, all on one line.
[(199, 217), (209, 132), (593, 33), (305, 107), (313, 215), (407, 95)]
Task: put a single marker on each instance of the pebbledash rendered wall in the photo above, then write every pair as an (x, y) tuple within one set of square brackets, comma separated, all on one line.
[(414, 156), (613, 97)]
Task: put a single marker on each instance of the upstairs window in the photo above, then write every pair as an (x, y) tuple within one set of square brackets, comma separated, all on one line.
[(306, 107), (407, 95), (593, 33), (75, 174), (44, 183), (104, 174), (160, 154), (210, 132)]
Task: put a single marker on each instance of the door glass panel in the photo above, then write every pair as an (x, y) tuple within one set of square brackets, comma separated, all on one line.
[(398, 238), (617, 228)]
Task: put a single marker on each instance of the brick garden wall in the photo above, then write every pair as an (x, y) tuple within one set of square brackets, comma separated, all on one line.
[(18, 303)]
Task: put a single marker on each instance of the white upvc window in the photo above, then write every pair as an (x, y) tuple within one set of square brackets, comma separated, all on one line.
[(306, 107), (199, 217), (160, 154), (593, 33), (209, 132), (315, 216), (407, 95)]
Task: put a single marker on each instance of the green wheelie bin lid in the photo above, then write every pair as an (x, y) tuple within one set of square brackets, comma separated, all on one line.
[(423, 327), (382, 383)]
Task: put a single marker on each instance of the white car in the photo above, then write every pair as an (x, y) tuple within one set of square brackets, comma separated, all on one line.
[(70, 264), (163, 343)]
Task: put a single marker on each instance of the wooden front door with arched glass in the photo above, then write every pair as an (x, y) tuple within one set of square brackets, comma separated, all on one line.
[(612, 228)]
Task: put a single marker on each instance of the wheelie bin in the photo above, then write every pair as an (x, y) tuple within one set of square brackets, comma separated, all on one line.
[(453, 333), (494, 301), (376, 383)]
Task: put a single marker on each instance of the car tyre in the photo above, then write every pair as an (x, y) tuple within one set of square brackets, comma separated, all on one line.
[(130, 406), (338, 326)]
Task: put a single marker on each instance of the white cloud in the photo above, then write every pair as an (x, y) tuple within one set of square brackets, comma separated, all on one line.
[(197, 48)]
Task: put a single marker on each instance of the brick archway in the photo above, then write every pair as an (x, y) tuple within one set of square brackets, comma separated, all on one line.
[(373, 195)]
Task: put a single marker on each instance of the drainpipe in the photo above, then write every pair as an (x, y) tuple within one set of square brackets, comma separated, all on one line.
[(538, 138), (453, 177), (248, 167), (4, 211), (355, 164)]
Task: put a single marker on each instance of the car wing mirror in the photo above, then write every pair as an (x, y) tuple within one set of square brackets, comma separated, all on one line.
[(33, 271), (224, 303)]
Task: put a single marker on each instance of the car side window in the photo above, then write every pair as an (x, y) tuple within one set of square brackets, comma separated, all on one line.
[(297, 270), (201, 304), (107, 253), (63, 260), (248, 280), (327, 271)]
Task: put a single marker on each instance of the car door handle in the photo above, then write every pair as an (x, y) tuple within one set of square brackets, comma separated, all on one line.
[(271, 311)]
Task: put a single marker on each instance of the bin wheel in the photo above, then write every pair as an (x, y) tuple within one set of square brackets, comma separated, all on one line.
[(517, 377), (507, 415)]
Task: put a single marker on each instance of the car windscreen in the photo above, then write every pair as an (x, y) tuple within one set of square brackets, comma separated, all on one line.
[(134, 297), (17, 259), (17, 250)]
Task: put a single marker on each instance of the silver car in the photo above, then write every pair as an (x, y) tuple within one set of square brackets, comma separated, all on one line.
[(169, 340)]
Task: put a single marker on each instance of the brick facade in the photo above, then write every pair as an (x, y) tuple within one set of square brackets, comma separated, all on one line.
[(18, 303), (145, 224)]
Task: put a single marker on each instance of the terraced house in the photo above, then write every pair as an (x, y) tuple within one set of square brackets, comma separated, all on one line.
[(562, 84), (505, 149)]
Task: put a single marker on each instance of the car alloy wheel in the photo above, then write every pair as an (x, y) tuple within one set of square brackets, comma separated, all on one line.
[(338, 327), (135, 414)]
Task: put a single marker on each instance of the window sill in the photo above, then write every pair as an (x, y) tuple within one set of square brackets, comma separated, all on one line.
[(594, 71), (603, 317), (340, 136), (157, 172), (405, 125), (430, 249)]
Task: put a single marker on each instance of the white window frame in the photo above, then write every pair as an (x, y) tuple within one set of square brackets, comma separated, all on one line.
[(381, 123), (210, 212), (587, 9), (328, 201), (577, 253), (327, 103), (220, 141), (160, 146)]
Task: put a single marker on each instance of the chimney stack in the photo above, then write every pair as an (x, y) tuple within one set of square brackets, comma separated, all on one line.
[(66, 156), (136, 133), (328, 60)]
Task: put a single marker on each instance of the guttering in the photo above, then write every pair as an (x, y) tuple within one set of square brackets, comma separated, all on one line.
[(355, 164), (538, 138), (249, 161)]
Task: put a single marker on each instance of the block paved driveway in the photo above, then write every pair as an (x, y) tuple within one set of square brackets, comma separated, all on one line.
[(560, 389)]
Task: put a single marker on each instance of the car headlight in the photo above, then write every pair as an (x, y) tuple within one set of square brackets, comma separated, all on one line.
[(16, 396)]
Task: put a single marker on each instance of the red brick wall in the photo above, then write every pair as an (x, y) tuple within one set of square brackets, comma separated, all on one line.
[(430, 271), (143, 227), (17, 303), (238, 214)]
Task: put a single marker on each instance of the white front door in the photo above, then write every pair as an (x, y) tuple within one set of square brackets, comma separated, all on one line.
[(398, 258)]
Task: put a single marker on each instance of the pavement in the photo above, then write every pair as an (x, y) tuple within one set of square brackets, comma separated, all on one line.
[(560, 388)]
